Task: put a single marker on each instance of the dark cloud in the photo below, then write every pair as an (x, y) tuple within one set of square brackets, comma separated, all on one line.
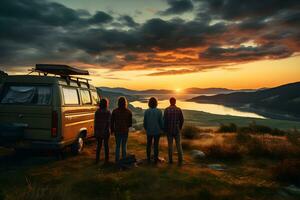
[(233, 9), (40, 31), (101, 17), (178, 7), (39, 11), (243, 53), (128, 21)]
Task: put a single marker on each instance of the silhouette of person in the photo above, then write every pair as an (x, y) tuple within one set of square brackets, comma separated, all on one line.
[(121, 121), (153, 124), (102, 129), (173, 122)]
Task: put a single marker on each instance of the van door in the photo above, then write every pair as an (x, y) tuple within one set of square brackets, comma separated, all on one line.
[(28, 105), (77, 112)]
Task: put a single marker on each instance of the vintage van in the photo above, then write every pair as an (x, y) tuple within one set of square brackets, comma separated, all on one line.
[(47, 111)]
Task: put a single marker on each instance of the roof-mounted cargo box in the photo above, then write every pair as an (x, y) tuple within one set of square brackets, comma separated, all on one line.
[(62, 70)]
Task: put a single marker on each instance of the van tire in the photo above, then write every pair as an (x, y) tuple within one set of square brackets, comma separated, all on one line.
[(78, 146)]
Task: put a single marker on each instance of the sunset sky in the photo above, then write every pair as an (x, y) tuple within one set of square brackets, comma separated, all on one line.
[(159, 43)]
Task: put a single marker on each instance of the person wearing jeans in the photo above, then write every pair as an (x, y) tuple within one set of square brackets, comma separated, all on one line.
[(121, 121), (173, 122), (102, 129), (177, 139), (153, 124), (121, 142)]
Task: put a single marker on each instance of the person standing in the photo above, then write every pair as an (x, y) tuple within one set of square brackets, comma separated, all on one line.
[(173, 122), (153, 124), (102, 129), (121, 121)]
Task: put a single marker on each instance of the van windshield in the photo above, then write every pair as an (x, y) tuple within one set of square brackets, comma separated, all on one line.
[(38, 95)]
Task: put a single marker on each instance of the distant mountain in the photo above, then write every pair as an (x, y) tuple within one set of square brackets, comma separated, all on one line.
[(283, 99), (135, 92), (113, 98), (186, 91)]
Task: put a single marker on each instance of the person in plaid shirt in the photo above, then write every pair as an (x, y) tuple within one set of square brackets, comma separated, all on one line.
[(173, 122)]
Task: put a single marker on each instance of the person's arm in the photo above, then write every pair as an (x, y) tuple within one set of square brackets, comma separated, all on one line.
[(109, 121), (161, 120), (130, 119), (181, 119), (145, 120), (112, 122), (165, 119)]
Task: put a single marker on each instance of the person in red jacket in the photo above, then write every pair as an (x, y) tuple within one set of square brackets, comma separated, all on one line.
[(102, 129), (121, 121)]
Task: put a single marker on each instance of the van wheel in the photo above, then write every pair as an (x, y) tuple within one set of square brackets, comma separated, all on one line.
[(78, 145)]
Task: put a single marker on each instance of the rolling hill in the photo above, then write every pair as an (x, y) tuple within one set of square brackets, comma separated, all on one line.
[(284, 99), (163, 91)]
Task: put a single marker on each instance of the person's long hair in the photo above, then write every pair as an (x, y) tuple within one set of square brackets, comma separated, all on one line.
[(152, 103), (103, 104), (122, 102)]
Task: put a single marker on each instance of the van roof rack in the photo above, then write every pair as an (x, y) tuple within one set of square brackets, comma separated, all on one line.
[(64, 71)]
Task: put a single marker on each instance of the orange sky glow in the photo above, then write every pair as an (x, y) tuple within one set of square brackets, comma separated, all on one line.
[(257, 74)]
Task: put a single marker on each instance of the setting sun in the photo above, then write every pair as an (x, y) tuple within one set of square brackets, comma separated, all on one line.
[(178, 90)]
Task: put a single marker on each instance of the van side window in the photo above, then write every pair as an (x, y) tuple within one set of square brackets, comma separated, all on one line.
[(85, 97), (70, 96), (95, 97), (31, 95)]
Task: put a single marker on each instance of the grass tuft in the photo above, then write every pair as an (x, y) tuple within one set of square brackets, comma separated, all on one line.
[(190, 132), (224, 152), (288, 171), (227, 128)]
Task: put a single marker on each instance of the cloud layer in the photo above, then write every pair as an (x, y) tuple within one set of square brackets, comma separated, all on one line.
[(220, 33)]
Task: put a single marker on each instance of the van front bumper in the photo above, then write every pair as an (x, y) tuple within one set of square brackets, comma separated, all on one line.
[(34, 144)]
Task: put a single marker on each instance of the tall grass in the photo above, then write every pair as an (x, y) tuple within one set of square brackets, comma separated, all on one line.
[(224, 152), (190, 132), (288, 171), (227, 128), (252, 128)]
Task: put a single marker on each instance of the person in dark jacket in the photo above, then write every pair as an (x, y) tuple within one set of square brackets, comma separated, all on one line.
[(173, 122), (153, 124), (121, 121), (102, 129)]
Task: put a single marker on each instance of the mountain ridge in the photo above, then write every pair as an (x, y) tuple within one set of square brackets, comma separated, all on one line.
[(284, 99), (192, 90)]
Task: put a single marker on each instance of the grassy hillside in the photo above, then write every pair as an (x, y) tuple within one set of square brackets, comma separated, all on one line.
[(207, 120), (245, 175)]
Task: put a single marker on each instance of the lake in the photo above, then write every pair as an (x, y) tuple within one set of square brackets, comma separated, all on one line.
[(205, 107)]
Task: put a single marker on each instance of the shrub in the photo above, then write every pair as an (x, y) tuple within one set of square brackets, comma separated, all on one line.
[(288, 171), (186, 145), (242, 137), (293, 138), (229, 128), (190, 132), (257, 147), (256, 128), (278, 132), (224, 152)]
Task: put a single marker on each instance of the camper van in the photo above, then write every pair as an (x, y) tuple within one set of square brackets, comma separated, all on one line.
[(47, 109)]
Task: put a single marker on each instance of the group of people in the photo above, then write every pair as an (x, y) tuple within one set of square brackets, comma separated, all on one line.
[(155, 123)]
